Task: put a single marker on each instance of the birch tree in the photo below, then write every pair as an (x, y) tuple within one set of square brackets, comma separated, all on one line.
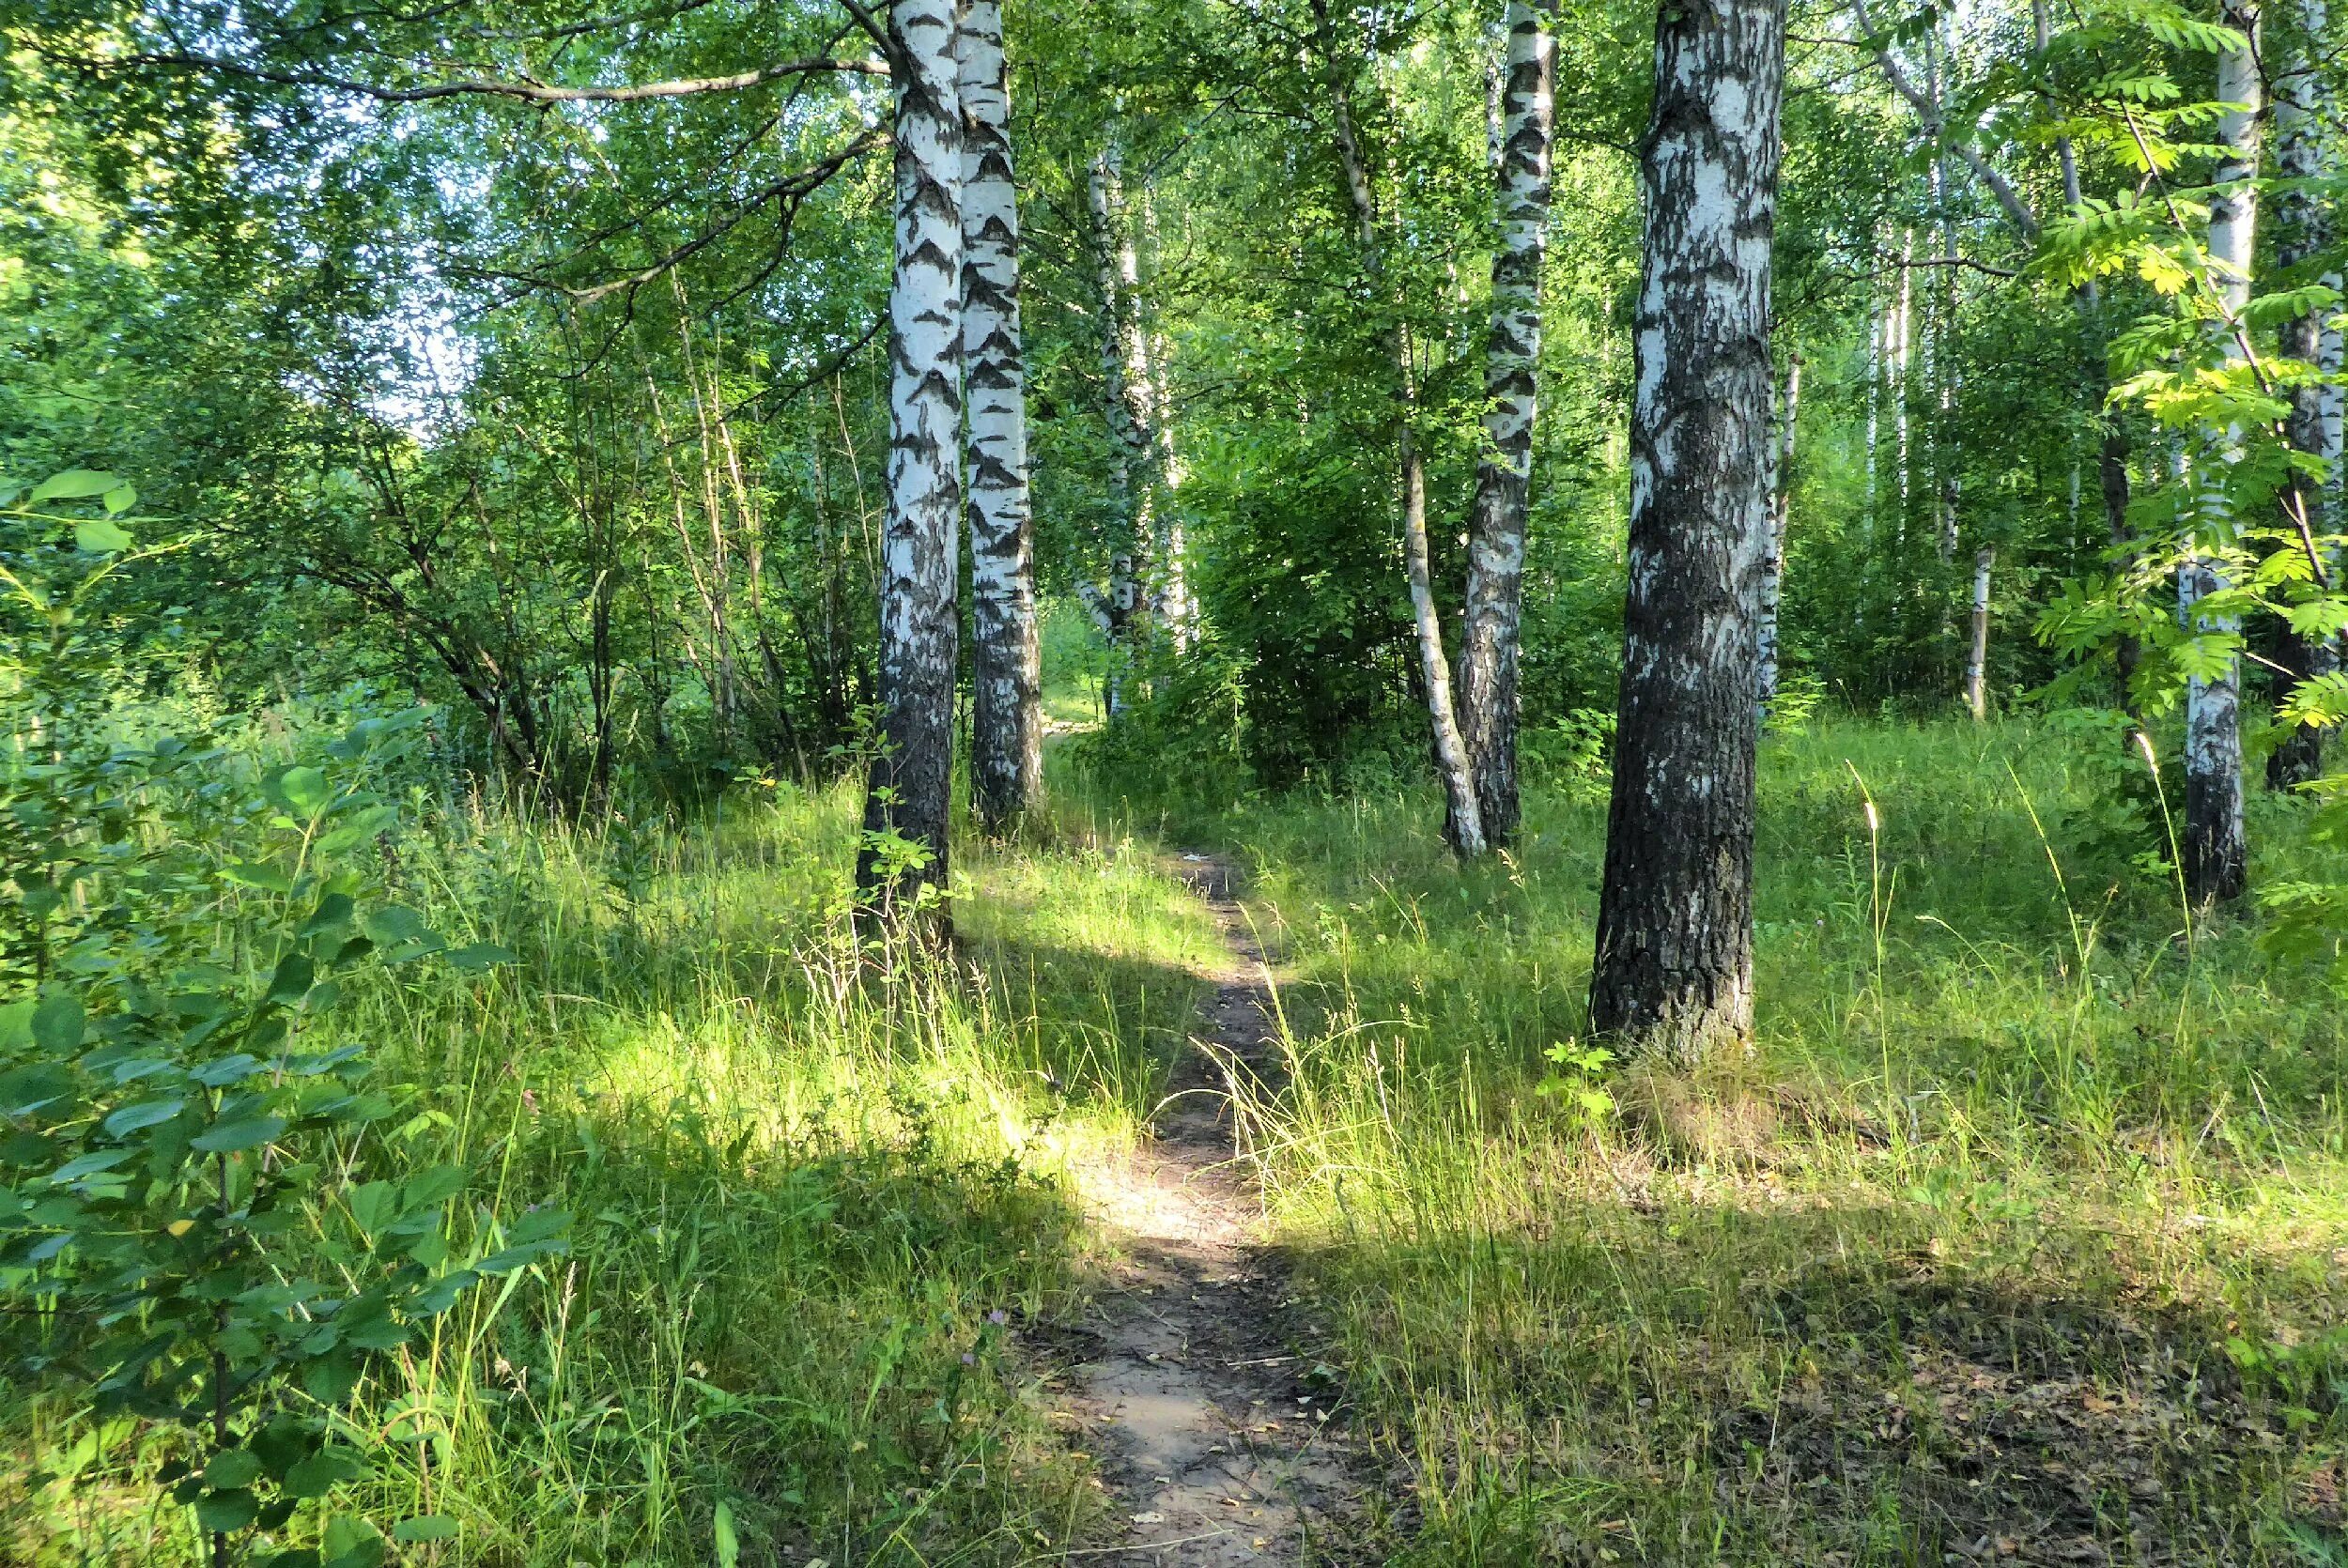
[(1125, 403), (2303, 231), (1006, 721), (2214, 853), (1463, 827), (1977, 659), (1771, 592), (1673, 965), (907, 795), (1504, 471)]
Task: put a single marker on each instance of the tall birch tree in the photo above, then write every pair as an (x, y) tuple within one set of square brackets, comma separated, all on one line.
[(2215, 851), (1674, 965), (1463, 827), (1489, 641), (2303, 231), (1006, 719), (908, 793), (1771, 595), (1125, 404)]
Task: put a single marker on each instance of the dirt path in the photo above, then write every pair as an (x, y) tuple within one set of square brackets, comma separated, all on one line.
[(1211, 1435)]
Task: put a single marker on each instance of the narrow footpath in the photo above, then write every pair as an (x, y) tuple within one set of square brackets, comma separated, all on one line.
[(1218, 1445)]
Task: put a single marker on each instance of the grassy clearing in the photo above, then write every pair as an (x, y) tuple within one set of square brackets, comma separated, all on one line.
[(811, 1214), (2014, 1239)]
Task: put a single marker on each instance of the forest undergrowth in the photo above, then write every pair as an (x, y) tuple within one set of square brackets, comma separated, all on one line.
[(812, 1216), (2015, 1237)]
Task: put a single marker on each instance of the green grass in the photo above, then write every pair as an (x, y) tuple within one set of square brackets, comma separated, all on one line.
[(2018, 1233), (800, 1201), (2019, 1224)]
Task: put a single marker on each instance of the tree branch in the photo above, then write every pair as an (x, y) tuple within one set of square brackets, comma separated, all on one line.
[(1929, 121), (525, 91), (792, 187)]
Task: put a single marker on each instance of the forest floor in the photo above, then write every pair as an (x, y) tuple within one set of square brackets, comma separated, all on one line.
[(2020, 1236), (1213, 1432)]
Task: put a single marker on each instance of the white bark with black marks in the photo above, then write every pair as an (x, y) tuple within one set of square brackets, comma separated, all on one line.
[(1489, 642), (908, 793), (1132, 450), (2215, 854), (1977, 662), (1006, 726), (1771, 592), (1673, 965), (1463, 825), (2303, 230)]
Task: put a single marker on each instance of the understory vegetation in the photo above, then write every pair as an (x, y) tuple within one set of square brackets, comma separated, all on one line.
[(809, 1216), (2015, 1236)]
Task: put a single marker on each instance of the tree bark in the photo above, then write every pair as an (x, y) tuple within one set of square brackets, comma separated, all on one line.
[(2215, 853), (1006, 719), (1130, 447), (1489, 641), (1463, 827), (2112, 468), (1771, 592), (2304, 230), (1977, 663), (908, 792), (1673, 963)]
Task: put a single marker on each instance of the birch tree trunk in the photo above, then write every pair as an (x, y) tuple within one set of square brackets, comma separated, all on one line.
[(1006, 721), (1771, 592), (2111, 469), (1673, 965), (1132, 449), (2215, 857), (1173, 612), (1463, 827), (1977, 662), (907, 794), (2303, 229), (1504, 471)]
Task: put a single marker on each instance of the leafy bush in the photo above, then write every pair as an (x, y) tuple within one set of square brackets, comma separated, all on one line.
[(185, 1238)]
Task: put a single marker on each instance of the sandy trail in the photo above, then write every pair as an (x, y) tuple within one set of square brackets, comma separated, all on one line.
[(1216, 1445)]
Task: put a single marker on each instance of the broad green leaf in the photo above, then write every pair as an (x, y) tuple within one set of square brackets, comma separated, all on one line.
[(303, 790), (26, 1089), (281, 1445), (242, 1133), (74, 485), (393, 924), (232, 1468), (292, 980), (373, 1204), (88, 1166), (333, 910), (101, 536), (133, 1118), (57, 1023), (538, 1225), (432, 1187), (426, 1526), (120, 499), (478, 956), (350, 1542), (224, 1071), (253, 874), (223, 1511), (324, 1470)]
